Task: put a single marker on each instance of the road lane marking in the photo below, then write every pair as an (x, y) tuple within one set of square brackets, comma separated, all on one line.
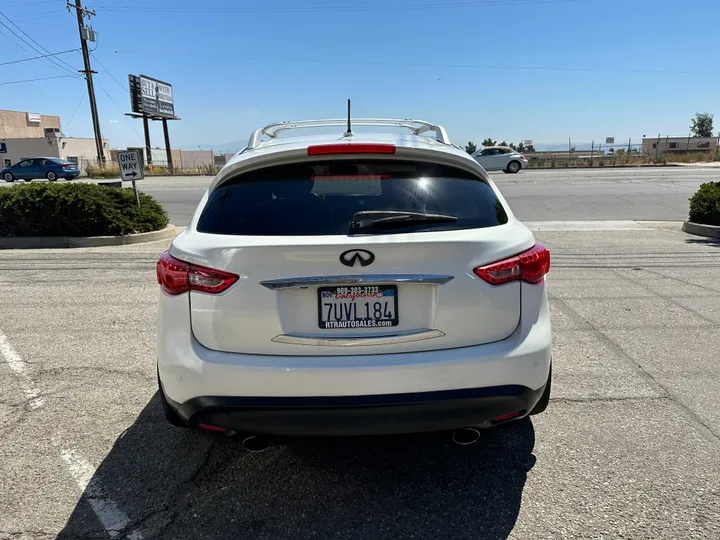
[(20, 368), (113, 519)]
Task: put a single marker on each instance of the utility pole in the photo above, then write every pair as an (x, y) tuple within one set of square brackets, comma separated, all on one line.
[(81, 13)]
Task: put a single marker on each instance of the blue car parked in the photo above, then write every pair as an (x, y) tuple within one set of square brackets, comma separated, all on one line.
[(40, 167)]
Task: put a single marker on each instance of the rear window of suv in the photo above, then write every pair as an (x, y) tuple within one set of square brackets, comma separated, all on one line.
[(324, 198)]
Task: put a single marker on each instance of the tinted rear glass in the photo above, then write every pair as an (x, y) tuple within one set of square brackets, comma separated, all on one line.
[(321, 198)]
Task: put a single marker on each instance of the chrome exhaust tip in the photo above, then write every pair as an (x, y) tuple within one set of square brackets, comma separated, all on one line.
[(256, 443), (466, 436)]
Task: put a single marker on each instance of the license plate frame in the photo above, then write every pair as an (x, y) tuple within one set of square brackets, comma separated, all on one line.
[(362, 292)]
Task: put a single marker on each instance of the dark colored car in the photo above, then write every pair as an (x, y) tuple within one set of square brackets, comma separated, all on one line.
[(42, 167)]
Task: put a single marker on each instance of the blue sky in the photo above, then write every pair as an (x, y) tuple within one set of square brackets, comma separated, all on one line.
[(510, 69)]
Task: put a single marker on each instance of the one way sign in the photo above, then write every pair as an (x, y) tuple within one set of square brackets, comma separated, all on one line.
[(130, 168)]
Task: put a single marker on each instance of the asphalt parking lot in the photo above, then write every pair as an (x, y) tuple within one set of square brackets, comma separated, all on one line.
[(627, 449)]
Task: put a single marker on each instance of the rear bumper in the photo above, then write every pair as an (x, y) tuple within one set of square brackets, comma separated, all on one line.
[(359, 415), (401, 392)]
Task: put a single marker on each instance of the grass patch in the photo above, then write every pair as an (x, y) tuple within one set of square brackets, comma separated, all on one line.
[(76, 210)]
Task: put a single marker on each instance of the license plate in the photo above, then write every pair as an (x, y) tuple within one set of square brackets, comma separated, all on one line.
[(373, 306)]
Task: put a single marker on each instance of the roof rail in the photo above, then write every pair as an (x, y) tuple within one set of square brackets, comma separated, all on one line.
[(417, 127)]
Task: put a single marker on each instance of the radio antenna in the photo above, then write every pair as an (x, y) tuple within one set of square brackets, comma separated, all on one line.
[(349, 132)]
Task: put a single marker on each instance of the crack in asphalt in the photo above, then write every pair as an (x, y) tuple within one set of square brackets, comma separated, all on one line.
[(176, 501)]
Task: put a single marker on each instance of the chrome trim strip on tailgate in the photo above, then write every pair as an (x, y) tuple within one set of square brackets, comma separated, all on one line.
[(405, 337), (367, 279)]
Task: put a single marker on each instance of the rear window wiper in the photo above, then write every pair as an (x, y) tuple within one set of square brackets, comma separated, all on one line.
[(386, 219)]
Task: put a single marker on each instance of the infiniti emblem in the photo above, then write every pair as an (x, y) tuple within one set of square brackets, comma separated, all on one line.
[(352, 256)]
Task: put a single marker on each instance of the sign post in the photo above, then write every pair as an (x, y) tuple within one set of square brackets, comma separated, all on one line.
[(131, 169)]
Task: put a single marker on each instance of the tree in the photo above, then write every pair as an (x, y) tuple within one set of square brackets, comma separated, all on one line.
[(502, 144), (702, 125), (489, 142), (511, 145), (471, 147), (530, 149), (521, 147)]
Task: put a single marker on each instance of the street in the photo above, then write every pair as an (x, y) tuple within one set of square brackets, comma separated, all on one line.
[(628, 447), (640, 193), (657, 193)]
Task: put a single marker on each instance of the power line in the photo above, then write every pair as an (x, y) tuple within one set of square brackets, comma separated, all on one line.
[(67, 66), (107, 72), (330, 8), (11, 41), (26, 4), (426, 65), (37, 57), (118, 108), (37, 16), (76, 109), (40, 79)]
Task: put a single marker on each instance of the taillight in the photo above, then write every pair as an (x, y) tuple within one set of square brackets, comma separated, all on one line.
[(350, 148), (67, 166), (176, 277), (530, 266)]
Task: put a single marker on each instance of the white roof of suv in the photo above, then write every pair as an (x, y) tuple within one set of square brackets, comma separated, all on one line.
[(266, 147)]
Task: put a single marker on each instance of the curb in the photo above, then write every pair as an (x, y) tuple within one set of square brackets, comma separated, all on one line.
[(640, 166), (44, 242), (710, 231)]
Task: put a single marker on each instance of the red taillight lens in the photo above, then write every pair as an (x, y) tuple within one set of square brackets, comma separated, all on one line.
[(67, 166), (530, 267), (210, 427), (176, 277), (350, 148), (325, 177), (508, 416)]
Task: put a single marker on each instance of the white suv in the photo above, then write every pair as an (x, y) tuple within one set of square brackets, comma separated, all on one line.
[(352, 284)]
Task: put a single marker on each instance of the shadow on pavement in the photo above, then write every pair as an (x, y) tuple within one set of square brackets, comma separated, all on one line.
[(703, 241), (175, 483)]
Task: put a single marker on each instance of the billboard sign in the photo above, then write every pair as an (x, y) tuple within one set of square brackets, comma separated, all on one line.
[(609, 140), (151, 96)]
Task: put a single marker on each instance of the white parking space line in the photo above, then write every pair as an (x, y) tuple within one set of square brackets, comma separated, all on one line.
[(16, 364), (113, 519)]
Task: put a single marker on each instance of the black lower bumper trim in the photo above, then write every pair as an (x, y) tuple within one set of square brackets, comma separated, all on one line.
[(358, 415)]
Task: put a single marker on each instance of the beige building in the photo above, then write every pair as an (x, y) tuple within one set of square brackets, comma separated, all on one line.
[(26, 125), (79, 151), (679, 145)]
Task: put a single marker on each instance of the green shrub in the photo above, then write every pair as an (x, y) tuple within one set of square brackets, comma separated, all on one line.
[(705, 204), (76, 210)]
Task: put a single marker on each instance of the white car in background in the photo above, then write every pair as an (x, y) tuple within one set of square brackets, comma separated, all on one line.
[(353, 284), (500, 158)]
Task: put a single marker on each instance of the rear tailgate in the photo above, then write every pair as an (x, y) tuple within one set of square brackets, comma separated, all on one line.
[(435, 289), (312, 284)]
